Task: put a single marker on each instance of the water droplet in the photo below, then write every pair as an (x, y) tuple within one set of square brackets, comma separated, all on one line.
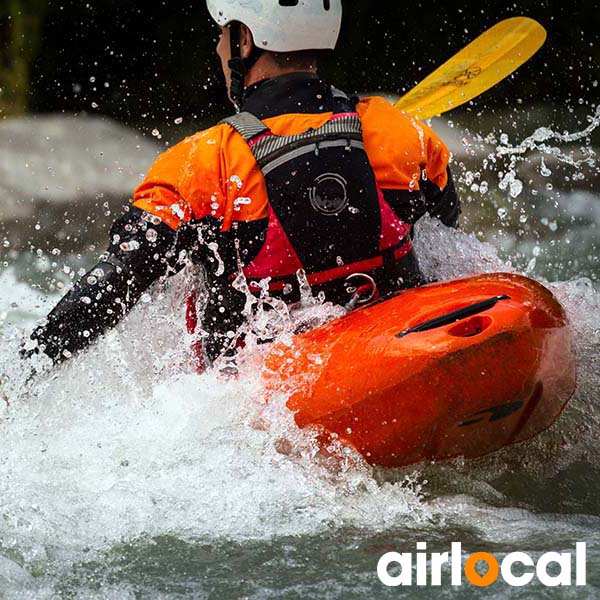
[(238, 182), (516, 187), (177, 211), (130, 246), (239, 202), (544, 170), (152, 219)]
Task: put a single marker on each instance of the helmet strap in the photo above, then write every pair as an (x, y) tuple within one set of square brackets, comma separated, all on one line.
[(239, 66)]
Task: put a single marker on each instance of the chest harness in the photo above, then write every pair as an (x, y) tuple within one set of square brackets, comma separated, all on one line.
[(327, 217)]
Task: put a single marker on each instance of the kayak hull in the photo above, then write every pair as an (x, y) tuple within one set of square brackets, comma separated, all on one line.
[(467, 386)]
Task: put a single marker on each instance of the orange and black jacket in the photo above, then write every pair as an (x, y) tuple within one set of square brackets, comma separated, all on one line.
[(208, 193)]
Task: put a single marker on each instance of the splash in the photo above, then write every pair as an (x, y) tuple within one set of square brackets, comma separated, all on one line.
[(126, 443), (505, 159)]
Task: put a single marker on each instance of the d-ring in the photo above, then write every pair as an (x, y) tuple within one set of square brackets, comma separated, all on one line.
[(358, 290)]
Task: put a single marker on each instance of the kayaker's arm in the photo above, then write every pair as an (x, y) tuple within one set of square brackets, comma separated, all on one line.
[(140, 252), (412, 187), (438, 193), (442, 204)]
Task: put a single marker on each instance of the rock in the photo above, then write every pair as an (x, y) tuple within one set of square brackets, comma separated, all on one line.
[(54, 164)]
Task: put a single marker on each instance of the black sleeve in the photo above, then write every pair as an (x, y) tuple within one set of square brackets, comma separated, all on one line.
[(410, 206), (141, 251), (442, 204)]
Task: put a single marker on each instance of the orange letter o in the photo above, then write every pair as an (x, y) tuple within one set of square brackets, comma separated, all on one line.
[(492, 573)]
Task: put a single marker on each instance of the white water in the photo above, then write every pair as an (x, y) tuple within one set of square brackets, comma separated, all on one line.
[(125, 443), (122, 443)]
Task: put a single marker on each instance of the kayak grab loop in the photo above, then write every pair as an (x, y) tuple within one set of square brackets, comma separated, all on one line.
[(362, 292), (457, 315)]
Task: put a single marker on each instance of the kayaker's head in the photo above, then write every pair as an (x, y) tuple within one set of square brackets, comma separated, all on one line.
[(267, 38)]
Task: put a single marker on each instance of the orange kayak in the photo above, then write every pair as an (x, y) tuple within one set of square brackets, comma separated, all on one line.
[(460, 368)]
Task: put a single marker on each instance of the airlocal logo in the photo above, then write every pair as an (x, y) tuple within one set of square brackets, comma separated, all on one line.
[(517, 569)]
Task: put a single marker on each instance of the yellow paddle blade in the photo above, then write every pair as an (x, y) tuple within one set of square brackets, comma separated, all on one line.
[(492, 57)]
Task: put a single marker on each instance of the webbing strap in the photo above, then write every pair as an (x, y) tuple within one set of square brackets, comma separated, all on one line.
[(396, 253), (273, 161), (247, 125), (269, 148)]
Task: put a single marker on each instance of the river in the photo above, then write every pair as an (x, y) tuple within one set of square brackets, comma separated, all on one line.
[(125, 475)]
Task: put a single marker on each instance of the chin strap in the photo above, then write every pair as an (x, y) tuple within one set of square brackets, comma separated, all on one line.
[(239, 66)]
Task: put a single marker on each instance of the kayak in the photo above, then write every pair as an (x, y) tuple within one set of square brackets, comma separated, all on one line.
[(460, 368)]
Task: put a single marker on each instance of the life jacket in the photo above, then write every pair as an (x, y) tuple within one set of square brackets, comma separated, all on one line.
[(327, 217)]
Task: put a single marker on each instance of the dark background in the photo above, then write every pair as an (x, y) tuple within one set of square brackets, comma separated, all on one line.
[(148, 62)]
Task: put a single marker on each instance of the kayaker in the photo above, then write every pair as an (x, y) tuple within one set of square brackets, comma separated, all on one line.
[(304, 178)]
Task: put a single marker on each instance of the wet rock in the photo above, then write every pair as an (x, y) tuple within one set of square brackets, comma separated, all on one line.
[(63, 177)]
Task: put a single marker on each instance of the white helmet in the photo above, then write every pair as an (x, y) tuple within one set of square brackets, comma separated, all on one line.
[(284, 25)]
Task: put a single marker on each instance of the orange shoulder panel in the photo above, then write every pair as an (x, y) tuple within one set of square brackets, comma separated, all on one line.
[(213, 173), (401, 148)]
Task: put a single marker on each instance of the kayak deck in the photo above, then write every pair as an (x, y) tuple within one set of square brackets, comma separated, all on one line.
[(460, 368)]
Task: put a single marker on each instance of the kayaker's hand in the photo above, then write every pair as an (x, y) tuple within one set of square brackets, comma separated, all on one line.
[(29, 370), (26, 354)]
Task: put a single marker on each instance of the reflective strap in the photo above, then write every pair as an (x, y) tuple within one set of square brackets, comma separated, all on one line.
[(247, 125), (345, 127), (307, 149)]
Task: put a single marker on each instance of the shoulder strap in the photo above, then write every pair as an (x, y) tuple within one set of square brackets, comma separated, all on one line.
[(343, 129), (247, 125)]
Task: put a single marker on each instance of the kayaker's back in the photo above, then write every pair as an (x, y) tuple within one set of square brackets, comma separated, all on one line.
[(305, 178)]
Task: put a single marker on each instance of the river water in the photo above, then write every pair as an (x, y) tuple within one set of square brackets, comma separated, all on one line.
[(125, 475)]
